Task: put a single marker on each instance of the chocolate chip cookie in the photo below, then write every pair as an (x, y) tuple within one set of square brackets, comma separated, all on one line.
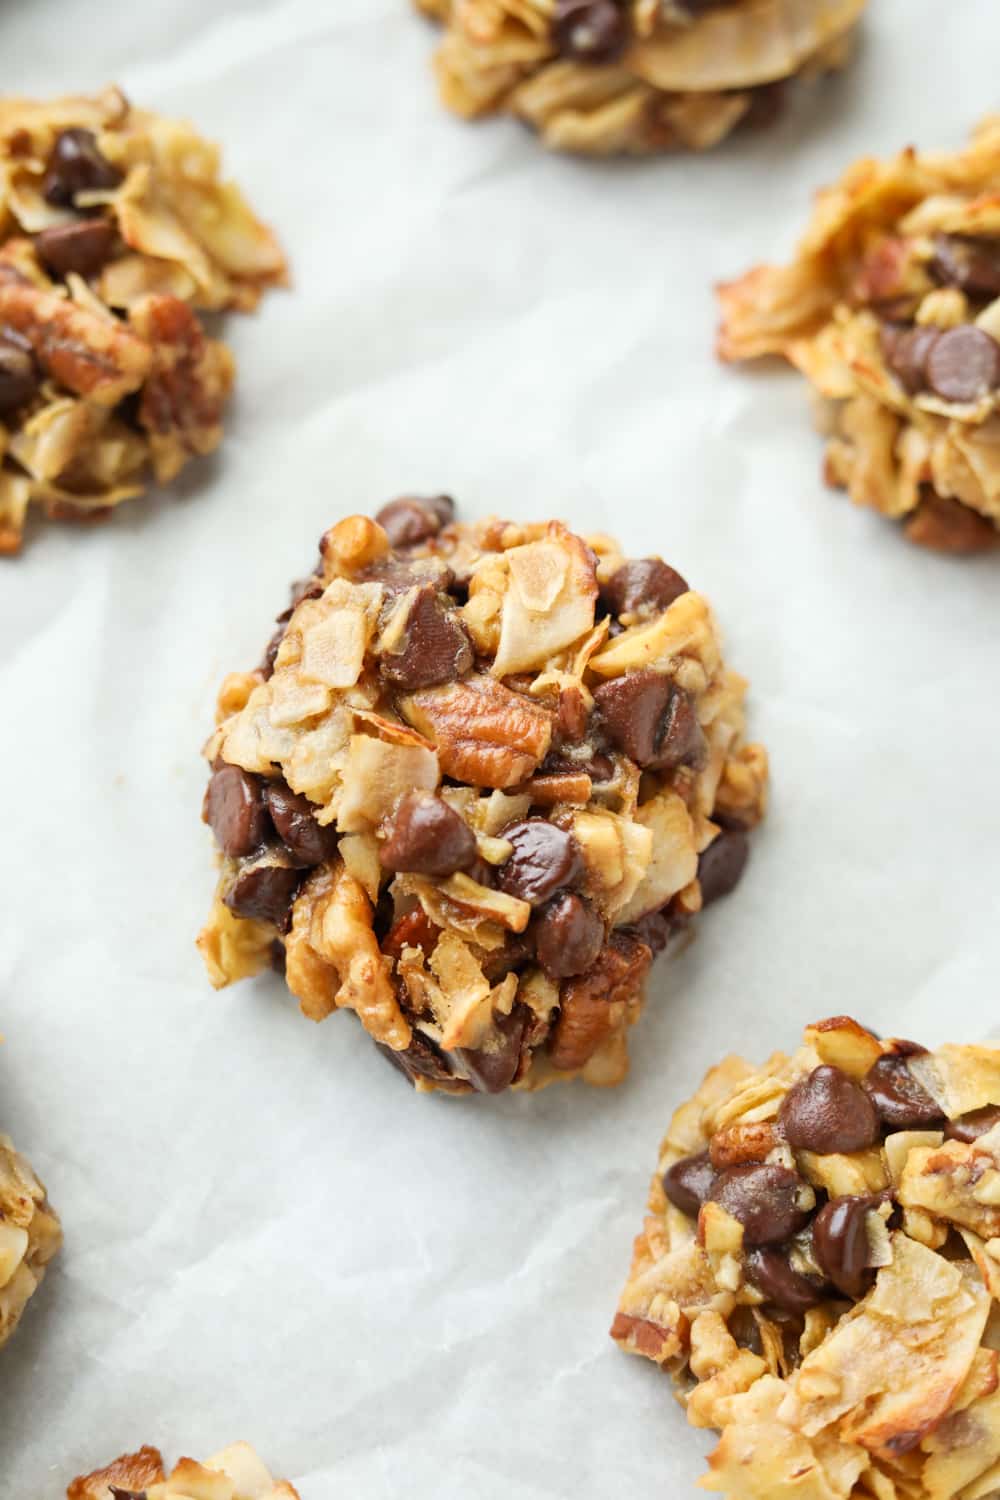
[(482, 774), (234, 1474), (891, 309), (819, 1266), (30, 1235), (637, 76), (117, 228)]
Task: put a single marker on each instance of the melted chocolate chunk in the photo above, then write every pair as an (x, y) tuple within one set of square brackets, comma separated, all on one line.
[(76, 165), (642, 586), (545, 860), (963, 364), (689, 1183), (493, 1066), (652, 720), (773, 1275), (721, 865), (973, 265), (840, 1243), (590, 30), (411, 520), (235, 810), (828, 1112), (436, 645), (569, 935), (294, 816), (970, 1127), (902, 1103), (19, 379), (427, 837), (84, 246), (264, 889), (764, 1198)]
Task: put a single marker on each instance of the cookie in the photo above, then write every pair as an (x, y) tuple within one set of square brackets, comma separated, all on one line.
[(819, 1266), (891, 309), (483, 773), (635, 76), (234, 1474), (30, 1235), (117, 230)]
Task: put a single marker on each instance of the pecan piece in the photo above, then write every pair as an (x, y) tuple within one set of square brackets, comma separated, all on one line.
[(592, 1007), (485, 734), (98, 358), (188, 383), (734, 1145)]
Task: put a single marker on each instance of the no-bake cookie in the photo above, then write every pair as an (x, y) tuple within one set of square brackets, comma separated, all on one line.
[(30, 1235), (115, 227), (820, 1268), (234, 1474), (891, 309), (637, 76), (481, 776)]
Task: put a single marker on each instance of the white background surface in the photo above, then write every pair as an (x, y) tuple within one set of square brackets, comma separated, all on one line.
[(267, 1235)]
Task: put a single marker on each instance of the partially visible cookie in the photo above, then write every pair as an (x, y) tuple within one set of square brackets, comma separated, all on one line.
[(820, 1265), (891, 309), (482, 775), (30, 1235), (637, 76), (234, 1474), (116, 228)]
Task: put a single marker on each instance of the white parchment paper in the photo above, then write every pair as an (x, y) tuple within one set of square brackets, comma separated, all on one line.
[(267, 1235)]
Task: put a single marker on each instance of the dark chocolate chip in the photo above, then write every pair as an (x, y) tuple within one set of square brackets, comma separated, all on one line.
[(75, 165), (840, 1244), (235, 810), (436, 645), (689, 1183), (902, 1103), (544, 861), (427, 837), (964, 364), (590, 30), (411, 520), (569, 935), (421, 1059), (721, 865), (294, 816), (655, 929), (596, 765), (18, 375), (773, 1276), (970, 264), (970, 1127), (493, 1066), (643, 586), (827, 1112), (83, 246), (264, 888), (906, 351), (764, 1198), (767, 100), (652, 720)]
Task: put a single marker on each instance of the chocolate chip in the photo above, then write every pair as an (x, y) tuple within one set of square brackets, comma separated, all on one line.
[(642, 586), (689, 1183), (840, 1243), (493, 1066), (970, 1127), (83, 246), (655, 929), (827, 1112), (545, 859), (264, 889), (427, 837), (235, 811), (411, 520), (764, 1198), (569, 935), (906, 351), (75, 165), (18, 375), (652, 720), (964, 364), (902, 1103), (767, 100), (773, 1276), (294, 817), (421, 1059), (589, 30), (971, 265), (721, 865), (436, 646)]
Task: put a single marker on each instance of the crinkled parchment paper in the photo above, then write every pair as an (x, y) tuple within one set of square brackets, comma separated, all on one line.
[(267, 1235)]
